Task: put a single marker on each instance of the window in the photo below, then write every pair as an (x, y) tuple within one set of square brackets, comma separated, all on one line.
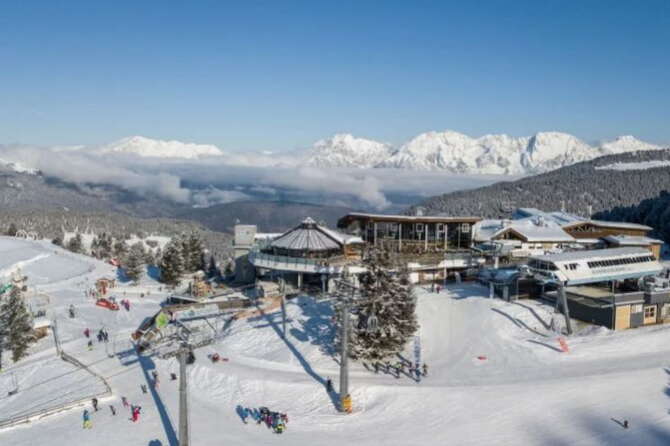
[(418, 227), (636, 308), (440, 228), (650, 311)]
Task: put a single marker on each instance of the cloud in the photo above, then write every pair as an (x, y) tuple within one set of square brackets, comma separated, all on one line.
[(203, 182), (211, 196)]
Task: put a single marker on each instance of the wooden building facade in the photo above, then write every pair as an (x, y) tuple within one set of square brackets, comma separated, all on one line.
[(411, 234)]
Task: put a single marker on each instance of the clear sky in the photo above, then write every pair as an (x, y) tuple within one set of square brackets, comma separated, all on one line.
[(281, 74)]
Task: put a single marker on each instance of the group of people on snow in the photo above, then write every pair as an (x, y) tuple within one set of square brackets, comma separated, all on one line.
[(134, 412), (273, 420), (412, 369)]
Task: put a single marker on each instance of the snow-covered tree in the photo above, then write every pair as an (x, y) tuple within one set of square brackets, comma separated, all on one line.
[(75, 243), (16, 325), (383, 317), (171, 263), (120, 250), (134, 264)]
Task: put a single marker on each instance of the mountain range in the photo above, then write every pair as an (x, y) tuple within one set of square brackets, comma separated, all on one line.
[(447, 151)]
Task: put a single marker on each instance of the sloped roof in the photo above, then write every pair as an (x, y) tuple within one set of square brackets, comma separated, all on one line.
[(565, 219), (530, 229), (309, 236)]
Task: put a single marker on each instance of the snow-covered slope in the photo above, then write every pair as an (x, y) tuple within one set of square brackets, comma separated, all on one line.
[(502, 154), (345, 150), (157, 148)]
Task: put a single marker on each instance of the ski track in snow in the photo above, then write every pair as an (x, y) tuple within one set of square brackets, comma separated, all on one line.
[(524, 392)]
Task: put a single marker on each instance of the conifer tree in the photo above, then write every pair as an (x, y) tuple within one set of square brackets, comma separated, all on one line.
[(12, 230), (120, 250), (213, 270), (75, 244), (383, 317), (16, 325), (171, 263), (193, 253), (134, 264)]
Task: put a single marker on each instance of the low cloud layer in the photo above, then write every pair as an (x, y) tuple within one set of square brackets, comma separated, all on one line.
[(203, 182)]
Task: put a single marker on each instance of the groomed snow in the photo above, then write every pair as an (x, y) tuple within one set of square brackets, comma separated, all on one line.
[(523, 390)]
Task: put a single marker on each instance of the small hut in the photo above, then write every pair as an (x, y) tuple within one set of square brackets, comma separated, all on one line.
[(103, 284)]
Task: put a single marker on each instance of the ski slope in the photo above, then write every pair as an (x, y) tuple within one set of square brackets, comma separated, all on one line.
[(525, 391)]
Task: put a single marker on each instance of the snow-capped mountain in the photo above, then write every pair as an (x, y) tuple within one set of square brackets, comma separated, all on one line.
[(503, 154), (156, 148), (627, 143), (344, 150)]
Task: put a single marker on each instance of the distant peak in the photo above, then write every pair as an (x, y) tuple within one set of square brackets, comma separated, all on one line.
[(147, 147)]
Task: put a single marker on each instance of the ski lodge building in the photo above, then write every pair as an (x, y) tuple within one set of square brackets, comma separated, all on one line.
[(306, 255), (619, 288)]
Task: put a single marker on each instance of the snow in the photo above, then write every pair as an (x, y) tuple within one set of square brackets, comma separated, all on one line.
[(642, 165), (155, 148), (345, 150), (524, 392), (503, 154)]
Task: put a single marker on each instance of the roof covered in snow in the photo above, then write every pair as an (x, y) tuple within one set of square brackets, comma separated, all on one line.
[(592, 254), (565, 219), (529, 229), (630, 240), (309, 236)]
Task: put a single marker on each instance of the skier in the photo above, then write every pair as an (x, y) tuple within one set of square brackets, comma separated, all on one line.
[(376, 367), (154, 375), (112, 409), (94, 401), (425, 369), (173, 376), (124, 401), (90, 345), (71, 311), (87, 332), (87, 420), (329, 385), (136, 413), (144, 388)]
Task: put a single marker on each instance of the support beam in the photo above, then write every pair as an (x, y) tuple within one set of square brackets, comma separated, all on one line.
[(399, 237), (183, 398), (566, 311), (344, 358)]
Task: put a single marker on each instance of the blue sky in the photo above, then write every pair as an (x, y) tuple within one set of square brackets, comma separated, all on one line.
[(280, 74)]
